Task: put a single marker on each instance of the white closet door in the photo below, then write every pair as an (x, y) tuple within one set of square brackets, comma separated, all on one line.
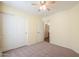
[(40, 31), (14, 31)]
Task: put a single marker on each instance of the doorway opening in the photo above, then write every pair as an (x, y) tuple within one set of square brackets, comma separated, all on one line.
[(46, 36)]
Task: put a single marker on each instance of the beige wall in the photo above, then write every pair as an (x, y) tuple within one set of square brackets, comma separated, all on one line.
[(0, 35), (46, 31), (0, 30), (64, 28)]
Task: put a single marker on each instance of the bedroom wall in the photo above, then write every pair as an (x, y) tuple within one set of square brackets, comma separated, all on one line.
[(0, 34), (64, 28), (0, 30), (31, 23)]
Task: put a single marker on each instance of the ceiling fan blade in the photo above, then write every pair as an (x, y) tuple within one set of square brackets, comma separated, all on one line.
[(34, 4), (51, 2)]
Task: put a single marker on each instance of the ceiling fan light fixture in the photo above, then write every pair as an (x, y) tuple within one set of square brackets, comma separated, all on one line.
[(43, 7)]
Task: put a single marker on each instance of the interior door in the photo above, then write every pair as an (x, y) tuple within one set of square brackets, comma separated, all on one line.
[(46, 37), (14, 31)]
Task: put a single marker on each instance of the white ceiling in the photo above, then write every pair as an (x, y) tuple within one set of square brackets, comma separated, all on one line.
[(28, 7)]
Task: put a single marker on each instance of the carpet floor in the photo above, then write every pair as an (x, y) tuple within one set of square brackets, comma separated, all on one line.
[(42, 49)]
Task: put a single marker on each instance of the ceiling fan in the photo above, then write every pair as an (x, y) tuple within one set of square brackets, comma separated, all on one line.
[(44, 5)]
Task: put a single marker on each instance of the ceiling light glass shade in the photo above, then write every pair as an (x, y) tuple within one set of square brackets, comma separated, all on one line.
[(43, 7)]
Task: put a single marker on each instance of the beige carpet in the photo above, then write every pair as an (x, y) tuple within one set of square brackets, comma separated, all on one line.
[(42, 49)]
